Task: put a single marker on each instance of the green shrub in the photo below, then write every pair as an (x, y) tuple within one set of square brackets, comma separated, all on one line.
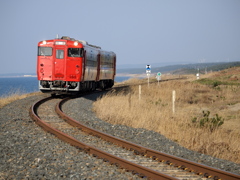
[(206, 122), (216, 83)]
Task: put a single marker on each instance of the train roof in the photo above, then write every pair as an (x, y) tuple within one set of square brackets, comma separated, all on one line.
[(84, 43), (81, 41)]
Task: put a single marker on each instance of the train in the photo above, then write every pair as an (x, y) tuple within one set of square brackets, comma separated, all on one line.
[(69, 66)]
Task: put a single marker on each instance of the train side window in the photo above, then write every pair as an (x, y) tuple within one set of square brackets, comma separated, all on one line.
[(91, 63), (75, 52), (59, 54)]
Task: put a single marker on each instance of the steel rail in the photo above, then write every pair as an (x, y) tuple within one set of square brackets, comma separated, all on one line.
[(121, 163), (184, 164)]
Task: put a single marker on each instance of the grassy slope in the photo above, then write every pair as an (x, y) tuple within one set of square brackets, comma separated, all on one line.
[(13, 97), (154, 111)]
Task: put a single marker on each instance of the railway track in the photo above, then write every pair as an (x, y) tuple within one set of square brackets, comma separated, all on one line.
[(132, 157)]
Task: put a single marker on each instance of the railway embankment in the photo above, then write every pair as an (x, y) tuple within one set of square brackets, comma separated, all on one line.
[(26, 151)]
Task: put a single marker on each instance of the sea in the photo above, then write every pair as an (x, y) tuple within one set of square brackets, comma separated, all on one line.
[(24, 85)]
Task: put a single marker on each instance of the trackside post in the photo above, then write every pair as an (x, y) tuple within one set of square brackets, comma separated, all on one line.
[(173, 100)]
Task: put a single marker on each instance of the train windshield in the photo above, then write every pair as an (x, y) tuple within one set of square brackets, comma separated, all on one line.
[(44, 51), (75, 52)]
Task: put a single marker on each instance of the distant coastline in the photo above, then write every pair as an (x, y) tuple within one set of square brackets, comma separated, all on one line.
[(29, 75), (16, 76), (131, 75), (34, 75)]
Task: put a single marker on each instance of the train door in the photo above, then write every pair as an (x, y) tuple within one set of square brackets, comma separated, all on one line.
[(59, 67), (114, 67), (98, 67), (45, 63)]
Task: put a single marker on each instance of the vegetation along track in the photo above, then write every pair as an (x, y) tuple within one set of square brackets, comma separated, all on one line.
[(140, 160)]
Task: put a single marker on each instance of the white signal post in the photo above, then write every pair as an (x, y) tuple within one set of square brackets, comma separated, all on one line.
[(197, 75), (158, 77), (148, 71)]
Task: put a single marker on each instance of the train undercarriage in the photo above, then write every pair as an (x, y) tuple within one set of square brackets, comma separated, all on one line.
[(71, 87)]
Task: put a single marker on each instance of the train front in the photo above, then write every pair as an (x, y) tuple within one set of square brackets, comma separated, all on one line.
[(59, 65)]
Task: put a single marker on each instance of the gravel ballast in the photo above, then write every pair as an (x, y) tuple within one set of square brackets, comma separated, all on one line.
[(28, 152)]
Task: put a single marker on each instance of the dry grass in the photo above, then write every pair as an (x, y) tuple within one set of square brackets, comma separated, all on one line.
[(154, 112), (13, 96)]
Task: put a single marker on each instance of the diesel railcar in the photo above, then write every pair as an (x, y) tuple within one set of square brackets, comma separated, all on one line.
[(68, 66)]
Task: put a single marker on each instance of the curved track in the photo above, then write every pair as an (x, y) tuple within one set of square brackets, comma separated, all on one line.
[(140, 160)]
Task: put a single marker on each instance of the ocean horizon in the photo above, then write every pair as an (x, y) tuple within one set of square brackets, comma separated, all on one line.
[(24, 85)]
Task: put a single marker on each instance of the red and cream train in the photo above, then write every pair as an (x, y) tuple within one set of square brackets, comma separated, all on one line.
[(68, 66)]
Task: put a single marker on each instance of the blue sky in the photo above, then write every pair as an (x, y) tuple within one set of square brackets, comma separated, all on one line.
[(138, 31)]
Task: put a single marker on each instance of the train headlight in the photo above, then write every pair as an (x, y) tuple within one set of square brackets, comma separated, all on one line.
[(75, 43), (44, 42)]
